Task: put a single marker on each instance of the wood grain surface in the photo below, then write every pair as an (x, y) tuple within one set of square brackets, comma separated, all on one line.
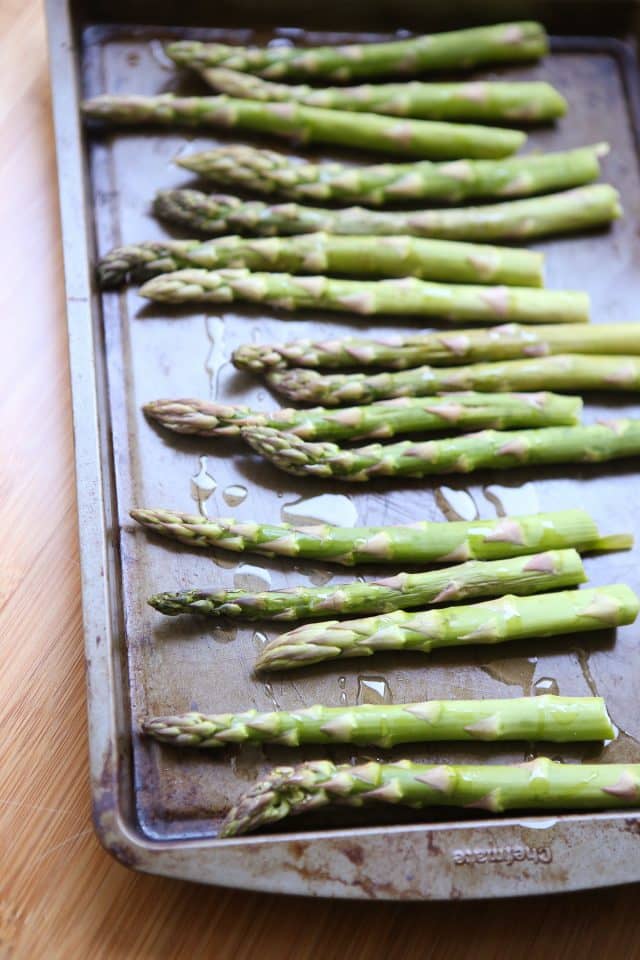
[(61, 895)]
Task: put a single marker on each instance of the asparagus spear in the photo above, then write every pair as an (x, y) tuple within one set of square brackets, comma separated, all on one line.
[(488, 449), (444, 260), (494, 621), (557, 719), (462, 411), (560, 372), (566, 212), (406, 296), (498, 43), (478, 100), (416, 543), (507, 342), (539, 784), (476, 578), (265, 171), (368, 131)]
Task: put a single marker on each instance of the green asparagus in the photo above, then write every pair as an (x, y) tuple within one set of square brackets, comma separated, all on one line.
[(559, 372), (488, 449), (267, 172), (477, 100), (416, 543), (506, 342), (406, 296), (443, 260), (476, 578), (431, 139), (491, 622), (556, 719), (461, 411), (539, 784), (566, 212), (497, 43)]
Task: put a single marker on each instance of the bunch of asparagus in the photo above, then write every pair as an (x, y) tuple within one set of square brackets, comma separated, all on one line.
[(420, 268)]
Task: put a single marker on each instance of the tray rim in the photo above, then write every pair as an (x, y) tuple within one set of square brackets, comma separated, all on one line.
[(330, 862)]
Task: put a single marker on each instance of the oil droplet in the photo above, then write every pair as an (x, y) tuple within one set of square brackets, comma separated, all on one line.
[(583, 660), (227, 562), (214, 362), (133, 58), (259, 640), (622, 749), (456, 504), (246, 763), (280, 42), (319, 577), (250, 577), (373, 690), (234, 494), (342, 683), (545, 685), (513, 500), (202, 486), (159, 55), (514, 671), (224, 634), (268, 689), (333, 508)]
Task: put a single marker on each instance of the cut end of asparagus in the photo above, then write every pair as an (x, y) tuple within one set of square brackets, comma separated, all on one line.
[(612, 543)]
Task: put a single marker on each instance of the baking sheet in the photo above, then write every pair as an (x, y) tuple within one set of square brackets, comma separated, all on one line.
[(179, 664)]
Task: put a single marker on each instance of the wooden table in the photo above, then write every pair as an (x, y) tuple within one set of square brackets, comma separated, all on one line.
[(61, 895)]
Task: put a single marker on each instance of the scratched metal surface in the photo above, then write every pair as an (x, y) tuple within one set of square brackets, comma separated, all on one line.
[(180, 664)]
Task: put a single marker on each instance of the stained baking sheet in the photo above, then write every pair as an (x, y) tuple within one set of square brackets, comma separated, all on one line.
[(178, 664), (143, 352)]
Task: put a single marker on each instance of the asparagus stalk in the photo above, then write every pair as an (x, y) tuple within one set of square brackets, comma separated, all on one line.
[(498, 43), (432, 139), (268, 172), (566, 212), (443, 260), (406, 296), (559, 372), (494, 621), (478, 101), (462, 411), (488, 449), (506, 342), (416, 543), (556, 719), (476, 578), (539, 784)]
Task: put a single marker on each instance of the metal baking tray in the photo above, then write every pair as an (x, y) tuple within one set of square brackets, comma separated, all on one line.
[(156, 810)]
